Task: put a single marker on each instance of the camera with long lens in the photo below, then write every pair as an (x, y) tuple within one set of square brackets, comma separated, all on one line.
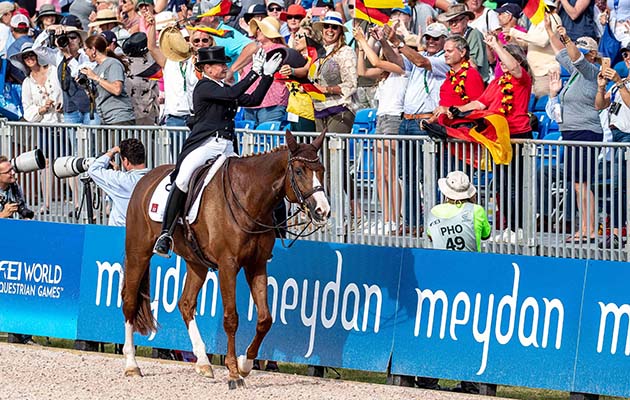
[(28, 162), (69, 166)]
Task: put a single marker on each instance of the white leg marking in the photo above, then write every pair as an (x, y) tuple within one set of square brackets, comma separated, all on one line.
[(320, 199), (128, 349), (244, 365), (199, 347)]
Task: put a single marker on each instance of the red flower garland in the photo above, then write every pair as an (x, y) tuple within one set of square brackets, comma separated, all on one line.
[(507, 89), (458, 86)]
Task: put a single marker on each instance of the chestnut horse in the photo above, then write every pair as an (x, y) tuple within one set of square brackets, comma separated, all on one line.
[(232, 229)]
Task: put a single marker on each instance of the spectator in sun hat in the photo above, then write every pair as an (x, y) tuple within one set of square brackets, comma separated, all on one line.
[(456, 18), (6, 38), (46, 16), (141, 83), (274, 9), (129, 16), (257, 11), (104, 20), (293, 16)]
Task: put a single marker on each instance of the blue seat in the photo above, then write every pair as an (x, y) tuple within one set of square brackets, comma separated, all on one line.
[(541, 103), (366, 118), (532, 102), (240, 114), (244, 124), (551, 154), (269, 126), (543, 123), (266, 142)]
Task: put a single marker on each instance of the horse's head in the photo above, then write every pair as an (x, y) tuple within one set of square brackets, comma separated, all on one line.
[(304, 178)]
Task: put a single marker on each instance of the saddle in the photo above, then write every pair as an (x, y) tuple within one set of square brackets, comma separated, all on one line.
[(200, 178)]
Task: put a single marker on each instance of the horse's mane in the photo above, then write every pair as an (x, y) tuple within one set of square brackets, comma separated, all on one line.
[(274, 150)]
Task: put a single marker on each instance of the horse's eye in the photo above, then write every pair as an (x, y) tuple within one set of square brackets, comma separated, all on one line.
[(298, 171)]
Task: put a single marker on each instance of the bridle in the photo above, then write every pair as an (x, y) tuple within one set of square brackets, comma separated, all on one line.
[(300, 196)]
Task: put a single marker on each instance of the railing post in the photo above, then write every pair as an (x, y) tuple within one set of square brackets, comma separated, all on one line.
[(247, 143), (164, 147), (82, 141), (627, 205), (5, 137), (429, 181), (529, 192), (336, 157)]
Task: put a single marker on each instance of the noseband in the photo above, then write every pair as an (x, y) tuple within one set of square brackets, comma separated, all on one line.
[(301, 197)]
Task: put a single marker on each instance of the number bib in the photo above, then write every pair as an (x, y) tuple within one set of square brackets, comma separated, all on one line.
[(456, 232)]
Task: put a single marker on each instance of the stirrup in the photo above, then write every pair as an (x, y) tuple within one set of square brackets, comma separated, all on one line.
[(163, 245)]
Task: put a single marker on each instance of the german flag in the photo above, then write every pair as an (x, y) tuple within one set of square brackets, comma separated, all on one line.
[(371, 15), (312, 91), (225, 7), (384, 3), (154, 72), (484, 127), (535, 11), (215, 32)]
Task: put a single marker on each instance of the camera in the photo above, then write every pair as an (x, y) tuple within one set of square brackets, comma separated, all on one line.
[(22, 209), (58, 41), (83, 80), (28, 162), (69, 166)]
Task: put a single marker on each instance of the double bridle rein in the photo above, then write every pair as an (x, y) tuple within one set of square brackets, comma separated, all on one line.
[(301, 197)]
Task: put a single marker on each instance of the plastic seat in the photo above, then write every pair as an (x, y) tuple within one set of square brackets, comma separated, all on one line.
[(541, 103), (266, 142), (244, 124), (532, 102), (366, 118), (269, 126)]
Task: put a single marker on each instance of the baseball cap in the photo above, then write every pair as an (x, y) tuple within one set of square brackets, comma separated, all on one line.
[(586, 43), (276, 2), (436, 30), (141, 2), (19, 21), (110, 37), (404, 10), (71, 20), (514, 9)]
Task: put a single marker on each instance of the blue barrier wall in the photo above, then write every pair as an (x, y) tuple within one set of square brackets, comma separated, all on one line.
[(527, 321)]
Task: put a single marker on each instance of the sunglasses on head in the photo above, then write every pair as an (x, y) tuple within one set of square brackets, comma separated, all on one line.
[(625, 54), (300, 36), (274, 8), (202, 40), (330, 26), (298, 17)]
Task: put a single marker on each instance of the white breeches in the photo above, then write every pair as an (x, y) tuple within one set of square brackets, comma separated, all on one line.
[(211, 148)]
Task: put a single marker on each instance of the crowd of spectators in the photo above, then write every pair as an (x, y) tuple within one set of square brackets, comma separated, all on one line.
[(118, 62)]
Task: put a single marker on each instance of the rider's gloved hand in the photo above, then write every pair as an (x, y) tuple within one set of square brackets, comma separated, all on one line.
[(258, 59), (271, 66)]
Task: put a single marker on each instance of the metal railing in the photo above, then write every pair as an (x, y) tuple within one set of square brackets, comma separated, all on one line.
[(381, 187)]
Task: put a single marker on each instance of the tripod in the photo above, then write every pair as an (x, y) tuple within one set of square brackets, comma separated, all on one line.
[(88, 199)]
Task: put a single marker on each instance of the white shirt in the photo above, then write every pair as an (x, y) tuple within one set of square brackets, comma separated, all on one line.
[(622, 119), (390, 94), (35, 96), (6, 38), (423, 87), (179, 83), (489, 20)]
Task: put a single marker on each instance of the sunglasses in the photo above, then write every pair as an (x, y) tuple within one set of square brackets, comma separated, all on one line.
[(29, 55), (456, 20), (298, 17), (73, 37), (330, 26), (350, 6), (303, 36), (202, 40), (625, 54), (274, 8), (7, 171)]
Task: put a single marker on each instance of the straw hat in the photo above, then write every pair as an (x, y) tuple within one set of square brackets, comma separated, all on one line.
[(331, 18), (454, 11), (6, 7), (269, 26), (456, 186), (105, 16), (173, 45)]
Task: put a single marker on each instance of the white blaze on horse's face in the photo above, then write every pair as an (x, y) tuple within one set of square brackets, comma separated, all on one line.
[(322, 207)]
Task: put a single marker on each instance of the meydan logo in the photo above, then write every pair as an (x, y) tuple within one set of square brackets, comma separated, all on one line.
[(30, 279)]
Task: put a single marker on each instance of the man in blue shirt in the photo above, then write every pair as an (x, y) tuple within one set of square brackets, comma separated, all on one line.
[(119, 185)]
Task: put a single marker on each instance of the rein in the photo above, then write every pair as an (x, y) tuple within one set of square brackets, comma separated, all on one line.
[(301, 197)]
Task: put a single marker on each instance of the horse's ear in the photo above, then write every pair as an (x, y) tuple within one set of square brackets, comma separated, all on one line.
[(291, 142), (317, 143)]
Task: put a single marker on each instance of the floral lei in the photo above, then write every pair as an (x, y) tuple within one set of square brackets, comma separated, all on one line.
[(507, 89), (458, 86)]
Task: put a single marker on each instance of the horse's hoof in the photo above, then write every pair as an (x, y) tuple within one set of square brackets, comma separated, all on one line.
[(205, 370), (236, 383), (244, 365), (133, 372)]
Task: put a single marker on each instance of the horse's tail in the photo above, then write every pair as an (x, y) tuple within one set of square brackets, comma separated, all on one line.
[(140, 314)]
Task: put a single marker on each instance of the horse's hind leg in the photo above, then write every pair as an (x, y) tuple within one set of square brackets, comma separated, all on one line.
[(187, 305), (257, 279), (136, 305)]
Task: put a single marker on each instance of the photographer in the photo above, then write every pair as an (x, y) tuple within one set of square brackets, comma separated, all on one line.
[(11, 196), (112, 102), (62, 46), (119, 185)]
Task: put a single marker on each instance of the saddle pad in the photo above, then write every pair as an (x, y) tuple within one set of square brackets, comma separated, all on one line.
[(160, 195)]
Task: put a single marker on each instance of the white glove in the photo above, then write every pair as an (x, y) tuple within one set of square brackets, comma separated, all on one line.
[(258, 59), (271, 66)]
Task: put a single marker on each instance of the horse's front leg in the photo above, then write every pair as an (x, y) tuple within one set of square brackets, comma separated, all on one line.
[(227, 279), (257, 279), (187, 305)]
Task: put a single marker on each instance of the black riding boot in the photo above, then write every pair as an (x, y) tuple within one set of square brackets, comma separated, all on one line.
[(174, 205)]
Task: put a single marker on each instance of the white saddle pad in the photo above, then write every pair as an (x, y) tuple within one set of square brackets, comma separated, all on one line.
[(160, 195)]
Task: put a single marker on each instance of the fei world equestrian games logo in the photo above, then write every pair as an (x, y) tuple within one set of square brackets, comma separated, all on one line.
[(30, 279)]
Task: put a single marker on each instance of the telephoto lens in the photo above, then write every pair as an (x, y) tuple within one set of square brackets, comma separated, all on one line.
[(69, 166)]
